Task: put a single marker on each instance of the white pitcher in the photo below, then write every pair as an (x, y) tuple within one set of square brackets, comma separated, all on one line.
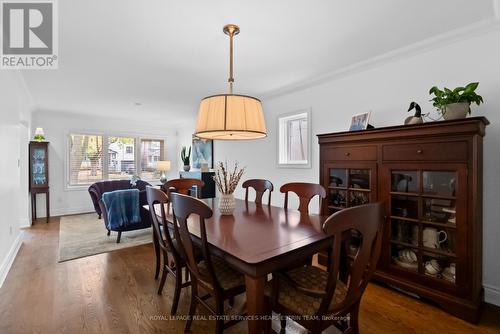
[(432, 238)]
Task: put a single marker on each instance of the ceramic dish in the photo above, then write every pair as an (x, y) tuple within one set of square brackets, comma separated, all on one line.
[(412, 265)]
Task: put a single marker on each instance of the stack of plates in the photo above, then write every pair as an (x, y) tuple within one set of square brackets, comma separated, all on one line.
[(448, 275), (407, 259), (407, 265)]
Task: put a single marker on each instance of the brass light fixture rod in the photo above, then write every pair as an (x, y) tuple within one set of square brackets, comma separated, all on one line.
[(231, 30)]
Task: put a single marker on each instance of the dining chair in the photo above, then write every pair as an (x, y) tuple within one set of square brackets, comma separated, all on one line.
[(305, 192), (260, 186), (173, 262), (309, 292), (182, 186), (212, 274)]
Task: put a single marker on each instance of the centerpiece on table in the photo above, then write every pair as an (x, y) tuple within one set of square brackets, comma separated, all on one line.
[(227, 180)]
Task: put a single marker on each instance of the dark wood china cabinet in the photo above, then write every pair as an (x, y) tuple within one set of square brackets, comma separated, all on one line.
[(430, 178), (39, 175)]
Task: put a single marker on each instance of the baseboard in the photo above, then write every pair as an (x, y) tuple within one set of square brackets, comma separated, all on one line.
[(492, 294), (24, 222), (9, 259), (67, 211)]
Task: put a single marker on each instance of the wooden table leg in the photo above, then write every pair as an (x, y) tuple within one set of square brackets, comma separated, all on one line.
[(47, 205), (255, 303), (32, 210), (34, 207)]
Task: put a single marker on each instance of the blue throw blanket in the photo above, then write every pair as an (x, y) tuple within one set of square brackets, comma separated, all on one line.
[(122, 208)]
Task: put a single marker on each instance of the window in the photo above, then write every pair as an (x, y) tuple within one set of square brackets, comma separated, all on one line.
[(151, 152), (94, 158), (294, 143), (121, 159), (85, 159)]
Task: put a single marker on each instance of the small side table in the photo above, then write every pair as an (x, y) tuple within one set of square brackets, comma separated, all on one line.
[(34, 192)]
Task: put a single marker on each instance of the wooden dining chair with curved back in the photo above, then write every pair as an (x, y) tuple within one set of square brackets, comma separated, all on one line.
[(260, 186), (182, 186), (305, 192), (173, 262), (322, 295), (212, 273)]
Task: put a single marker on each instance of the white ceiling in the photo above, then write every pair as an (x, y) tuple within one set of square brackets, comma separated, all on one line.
[(169, 54)]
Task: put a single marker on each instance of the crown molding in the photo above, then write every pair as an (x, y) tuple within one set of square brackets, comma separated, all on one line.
[(426, 45)]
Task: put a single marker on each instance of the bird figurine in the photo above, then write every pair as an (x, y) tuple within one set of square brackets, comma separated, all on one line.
[(417, 118)]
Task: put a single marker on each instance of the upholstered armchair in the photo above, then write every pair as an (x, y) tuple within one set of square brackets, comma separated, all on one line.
[(97, 189)]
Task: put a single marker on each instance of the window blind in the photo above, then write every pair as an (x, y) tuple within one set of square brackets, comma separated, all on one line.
[(85, 159)]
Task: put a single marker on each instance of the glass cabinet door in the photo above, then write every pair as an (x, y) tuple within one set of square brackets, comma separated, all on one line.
[(348, 187), (38, 166), (423, 222)]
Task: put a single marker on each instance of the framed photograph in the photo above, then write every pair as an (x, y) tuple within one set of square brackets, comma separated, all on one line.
[(360, 122), (203, 151)]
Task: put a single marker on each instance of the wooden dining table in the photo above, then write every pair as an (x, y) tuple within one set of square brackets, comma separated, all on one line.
[(258, 239)]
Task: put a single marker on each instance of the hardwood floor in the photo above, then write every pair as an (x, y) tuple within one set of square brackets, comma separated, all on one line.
[(116, 293)]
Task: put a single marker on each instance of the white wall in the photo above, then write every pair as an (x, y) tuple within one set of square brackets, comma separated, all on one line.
[(15, 106), (387, 90), (57, 126)]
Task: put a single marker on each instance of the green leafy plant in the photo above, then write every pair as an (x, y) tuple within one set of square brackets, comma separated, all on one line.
[(447, 96), (39, 138), (185, 157)]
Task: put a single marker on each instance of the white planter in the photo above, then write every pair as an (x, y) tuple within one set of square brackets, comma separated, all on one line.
[(226, 204), (455, 111), (187, 168)]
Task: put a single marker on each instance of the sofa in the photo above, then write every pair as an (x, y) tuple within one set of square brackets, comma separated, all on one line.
[(97, 189)]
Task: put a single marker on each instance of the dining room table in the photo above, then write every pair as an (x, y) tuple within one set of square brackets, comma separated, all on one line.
[(256, 240)]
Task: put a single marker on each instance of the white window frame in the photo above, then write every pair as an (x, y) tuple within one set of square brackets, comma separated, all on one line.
[(105, 154), (283, 144)]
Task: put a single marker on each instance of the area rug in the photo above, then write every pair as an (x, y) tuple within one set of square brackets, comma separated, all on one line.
[(85, 235)]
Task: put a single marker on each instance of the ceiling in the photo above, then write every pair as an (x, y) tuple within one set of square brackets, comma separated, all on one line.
[(166, 55)]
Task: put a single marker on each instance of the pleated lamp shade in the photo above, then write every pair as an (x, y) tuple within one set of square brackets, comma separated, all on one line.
[(230, 117)]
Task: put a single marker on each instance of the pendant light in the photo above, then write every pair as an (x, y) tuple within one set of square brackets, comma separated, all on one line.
[(230, 116)]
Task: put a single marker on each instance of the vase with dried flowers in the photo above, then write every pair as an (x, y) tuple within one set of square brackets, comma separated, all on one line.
[(227, 180)]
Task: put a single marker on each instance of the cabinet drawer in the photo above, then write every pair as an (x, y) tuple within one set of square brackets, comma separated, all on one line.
[(448, 151), (361, 153)]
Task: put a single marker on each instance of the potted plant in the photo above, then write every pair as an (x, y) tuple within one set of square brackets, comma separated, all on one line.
[(227, 181), (455, 104), (186, 157)]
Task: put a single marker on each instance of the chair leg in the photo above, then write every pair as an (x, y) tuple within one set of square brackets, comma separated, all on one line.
[(162, 281), (283, 324), (157, 254), (268, 324), (109, 232), (177, 291), (118, 238), (192, 307), (219, 324), (353, 321), (316, 329)]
